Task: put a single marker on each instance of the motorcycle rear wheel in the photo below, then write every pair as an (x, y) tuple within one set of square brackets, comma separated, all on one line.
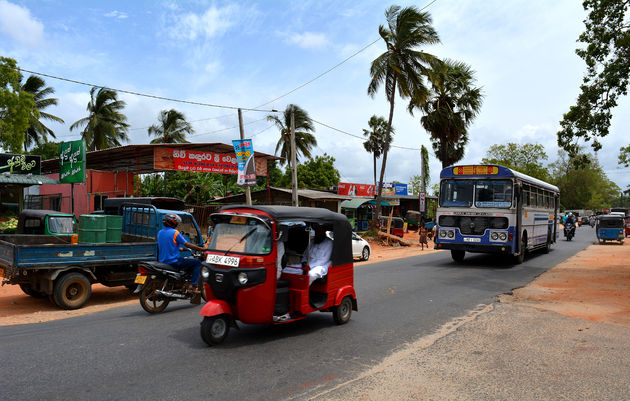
[(150, 300)]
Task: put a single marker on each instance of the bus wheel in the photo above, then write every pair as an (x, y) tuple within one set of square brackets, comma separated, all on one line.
[(458, 256), (521, 256)]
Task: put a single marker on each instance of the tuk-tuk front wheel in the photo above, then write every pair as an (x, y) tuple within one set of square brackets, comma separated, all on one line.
[(342, 312), (214, 329)]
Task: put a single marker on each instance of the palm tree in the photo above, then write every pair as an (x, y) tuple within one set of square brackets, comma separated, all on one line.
[(401, 65), (173, 128), (379, 139), (304, 140), (105, 126), (37, 132), (453, 104)]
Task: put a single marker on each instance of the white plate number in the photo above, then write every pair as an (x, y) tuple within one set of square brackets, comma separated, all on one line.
[(223, 260), (472, 239)]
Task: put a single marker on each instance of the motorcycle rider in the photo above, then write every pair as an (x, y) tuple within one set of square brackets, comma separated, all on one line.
[(169, 242)]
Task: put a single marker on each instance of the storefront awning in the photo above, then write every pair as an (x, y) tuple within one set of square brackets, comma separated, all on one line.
[(357, 203), (26, 179)]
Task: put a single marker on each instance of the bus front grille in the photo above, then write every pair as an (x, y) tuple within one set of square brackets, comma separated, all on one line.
[(473, 225)]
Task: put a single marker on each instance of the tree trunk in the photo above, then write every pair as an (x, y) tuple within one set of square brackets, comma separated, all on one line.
[(374, 157), (376, 215)]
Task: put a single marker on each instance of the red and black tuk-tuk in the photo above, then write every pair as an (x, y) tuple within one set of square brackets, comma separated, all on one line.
[(243, 261)]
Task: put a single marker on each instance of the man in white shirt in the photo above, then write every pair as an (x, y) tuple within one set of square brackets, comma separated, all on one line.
[(318, 254)]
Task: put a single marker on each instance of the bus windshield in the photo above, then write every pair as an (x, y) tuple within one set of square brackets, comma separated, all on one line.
[(493, 193), (485, 193)]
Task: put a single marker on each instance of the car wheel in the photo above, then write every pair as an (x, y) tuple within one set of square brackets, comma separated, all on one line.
[(214, 329), (365, 254)]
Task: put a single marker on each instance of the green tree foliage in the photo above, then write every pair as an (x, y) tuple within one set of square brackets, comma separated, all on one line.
[(425, 174), (583, 186), (402, 66), (172, 128), (37, 132), (105, 126), (304, 139), (527, 158), (47, 150), (379, 139), (16, 107), (624, 156), (607, 57), (318, 173), (453, 103)]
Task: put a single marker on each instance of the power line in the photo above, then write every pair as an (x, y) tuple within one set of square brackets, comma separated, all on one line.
[(357, 136), (144, 94)]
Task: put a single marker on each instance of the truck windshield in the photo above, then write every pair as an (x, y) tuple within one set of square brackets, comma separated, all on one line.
[(188, 228), (61, 225), (240, 234)]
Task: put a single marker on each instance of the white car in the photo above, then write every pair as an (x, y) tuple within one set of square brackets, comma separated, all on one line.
[(360, 247)]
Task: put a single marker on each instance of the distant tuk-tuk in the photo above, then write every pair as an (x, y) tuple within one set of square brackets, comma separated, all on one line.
[(610, 227), (253, 271), (413, 219), (46, 222), (397, 227)]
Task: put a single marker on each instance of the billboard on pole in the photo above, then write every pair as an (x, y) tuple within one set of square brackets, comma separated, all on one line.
[(72, 162)]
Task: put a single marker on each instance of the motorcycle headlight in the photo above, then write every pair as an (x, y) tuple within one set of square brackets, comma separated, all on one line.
[(494, 236), (242, 278), (451, 234), (205, 273), (502, 236)]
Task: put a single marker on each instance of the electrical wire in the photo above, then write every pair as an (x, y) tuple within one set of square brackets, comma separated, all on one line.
[(359, 137)]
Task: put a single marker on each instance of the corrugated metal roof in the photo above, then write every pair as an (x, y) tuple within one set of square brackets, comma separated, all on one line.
[(26, 179)]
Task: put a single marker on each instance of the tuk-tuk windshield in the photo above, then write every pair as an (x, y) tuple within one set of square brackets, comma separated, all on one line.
[(611, 222), (61, 225), (240, 234)]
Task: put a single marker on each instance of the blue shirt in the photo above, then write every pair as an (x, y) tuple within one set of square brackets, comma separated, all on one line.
[(169, 242)]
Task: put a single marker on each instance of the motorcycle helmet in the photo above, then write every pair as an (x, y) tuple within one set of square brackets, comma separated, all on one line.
[(171, 220)]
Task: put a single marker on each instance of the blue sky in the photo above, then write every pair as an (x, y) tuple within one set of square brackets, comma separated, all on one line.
[(247, 53)]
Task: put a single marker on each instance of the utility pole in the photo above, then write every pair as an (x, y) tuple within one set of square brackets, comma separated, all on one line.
[(293, 161), (248, 191)]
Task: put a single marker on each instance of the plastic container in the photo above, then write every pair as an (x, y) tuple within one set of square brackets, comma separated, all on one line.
[(114, 228), (92, 229)]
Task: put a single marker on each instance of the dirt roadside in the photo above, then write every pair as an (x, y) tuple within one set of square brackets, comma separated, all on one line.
[(19, 308)]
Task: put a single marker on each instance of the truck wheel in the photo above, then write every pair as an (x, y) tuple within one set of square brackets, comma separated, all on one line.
[(72, 290), (214, 329), (29, 291), (150, 300)]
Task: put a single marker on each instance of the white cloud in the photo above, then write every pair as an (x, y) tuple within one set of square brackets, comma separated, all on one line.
[(213, 22), (17, 22), (309, 40), (117, 14)]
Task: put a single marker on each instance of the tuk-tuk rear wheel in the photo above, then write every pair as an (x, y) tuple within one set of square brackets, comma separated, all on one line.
[(342, 312), (214, 329)]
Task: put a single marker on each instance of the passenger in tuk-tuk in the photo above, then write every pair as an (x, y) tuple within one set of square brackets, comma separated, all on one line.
[(318, 254)]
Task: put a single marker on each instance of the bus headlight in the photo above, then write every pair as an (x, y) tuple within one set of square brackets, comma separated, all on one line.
[(442, 233), (205, 273), (494, 236), (451, 233), (242, 278), (502, 236)]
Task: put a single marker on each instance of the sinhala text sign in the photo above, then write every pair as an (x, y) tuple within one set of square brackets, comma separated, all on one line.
[(20, 164), (72, 161), (244, 150)]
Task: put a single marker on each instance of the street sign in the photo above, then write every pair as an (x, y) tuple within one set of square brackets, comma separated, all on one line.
[(423, 201)]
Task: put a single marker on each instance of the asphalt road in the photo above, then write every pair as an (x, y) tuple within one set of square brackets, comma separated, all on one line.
[(125, 353)]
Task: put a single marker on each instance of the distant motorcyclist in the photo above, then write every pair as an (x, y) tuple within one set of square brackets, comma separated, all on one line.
[(570, 219)]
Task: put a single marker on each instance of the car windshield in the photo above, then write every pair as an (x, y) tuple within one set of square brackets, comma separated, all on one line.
[(456, 193), (497, 193), (240, 234), (61, 225)]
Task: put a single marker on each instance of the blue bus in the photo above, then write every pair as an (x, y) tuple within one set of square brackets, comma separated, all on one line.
[(494, 209)]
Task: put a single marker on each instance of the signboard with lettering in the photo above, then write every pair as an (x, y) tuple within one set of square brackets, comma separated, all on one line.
[(423, 200), (203, 162), (350, 189), (475, 170), (72, 162), (244, 150), (400, 189), (20, 164)]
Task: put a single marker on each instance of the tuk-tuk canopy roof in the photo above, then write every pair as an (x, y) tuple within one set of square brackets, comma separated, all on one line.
[(342, 231), (357, 203), (611, 217)]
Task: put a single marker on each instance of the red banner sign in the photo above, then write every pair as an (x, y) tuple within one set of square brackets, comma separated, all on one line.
[(204, 162), (350, 189)]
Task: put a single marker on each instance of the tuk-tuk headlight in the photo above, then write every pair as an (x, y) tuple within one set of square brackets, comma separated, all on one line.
[(242, 278), (205, 273)]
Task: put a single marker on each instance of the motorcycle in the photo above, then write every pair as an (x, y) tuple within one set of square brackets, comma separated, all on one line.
[(569, 231), (161, 283)]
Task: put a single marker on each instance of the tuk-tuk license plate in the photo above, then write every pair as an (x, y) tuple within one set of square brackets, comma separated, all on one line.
[(223, 260), (140, 279)]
